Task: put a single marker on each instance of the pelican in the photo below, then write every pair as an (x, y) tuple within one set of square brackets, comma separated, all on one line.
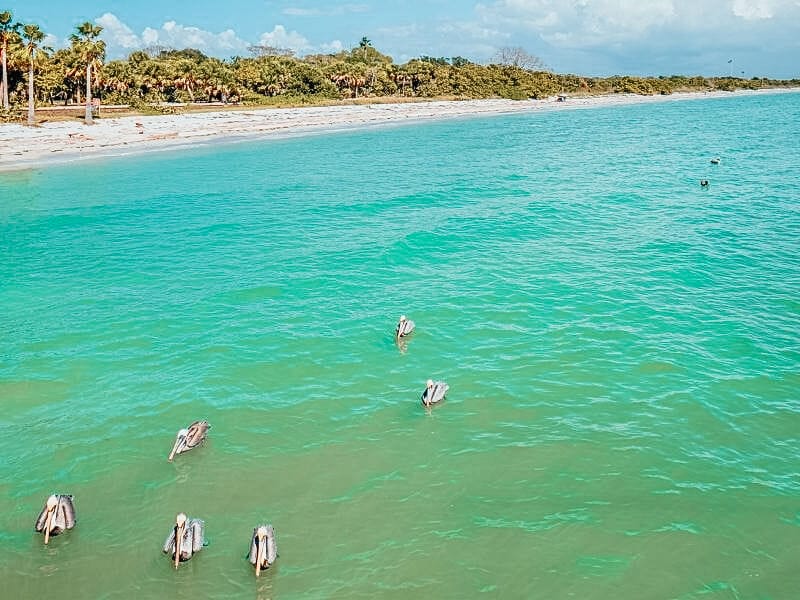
[(434, 392), (190, 438), (704, 183), (57, 515), (716, 160), (263, 549), (190, 534), (404, 328)]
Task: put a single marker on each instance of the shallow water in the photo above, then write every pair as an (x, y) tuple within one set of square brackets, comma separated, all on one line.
[(622, 350)]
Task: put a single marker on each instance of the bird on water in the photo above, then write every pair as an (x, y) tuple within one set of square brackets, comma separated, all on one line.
[(434, 393), (57, 516), (263, 548), (189, 438), (185, 539), (404, 328)]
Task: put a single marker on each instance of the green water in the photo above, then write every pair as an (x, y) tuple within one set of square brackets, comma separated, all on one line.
[(622, 349)]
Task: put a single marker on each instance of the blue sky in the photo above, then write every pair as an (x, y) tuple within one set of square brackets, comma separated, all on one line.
[(591, 37)]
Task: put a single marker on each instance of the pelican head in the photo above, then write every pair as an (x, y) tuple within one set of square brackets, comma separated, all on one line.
[(50, 505), (402, 318), (429, 383), (261, 557), (179, 440), (180, 529)]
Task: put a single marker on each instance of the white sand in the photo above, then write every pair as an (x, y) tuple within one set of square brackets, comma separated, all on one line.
[(25, 147)]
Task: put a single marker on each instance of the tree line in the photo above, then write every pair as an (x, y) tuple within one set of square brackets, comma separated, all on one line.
[(35, 75)]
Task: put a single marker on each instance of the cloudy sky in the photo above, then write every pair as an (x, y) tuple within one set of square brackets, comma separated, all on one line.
[(592, 37)]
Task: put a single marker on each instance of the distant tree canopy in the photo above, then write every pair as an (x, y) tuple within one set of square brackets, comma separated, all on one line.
[(518, 57), (157, 75)]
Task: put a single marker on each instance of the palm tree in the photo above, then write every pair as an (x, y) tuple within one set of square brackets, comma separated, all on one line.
[(364, 44), (33, 36), (92, 52), (8, 32)]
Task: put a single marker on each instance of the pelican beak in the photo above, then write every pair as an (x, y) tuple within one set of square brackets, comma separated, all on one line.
[(174, 448), (262, 553), (179, 530), (47, 523)]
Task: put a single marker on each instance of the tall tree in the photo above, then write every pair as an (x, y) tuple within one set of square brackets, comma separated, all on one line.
[(32, 38), (8, 33), (518, 57), (92, 51), (364, 44)]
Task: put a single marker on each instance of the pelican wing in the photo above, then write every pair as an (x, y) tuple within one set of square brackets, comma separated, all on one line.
[(41, 519), (272, 545), (169, 544), (196, 527), (439, 391), (68, 509), (197, 434), (253, 556)]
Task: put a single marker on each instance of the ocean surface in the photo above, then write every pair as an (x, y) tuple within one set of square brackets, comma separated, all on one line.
[(622, 349)]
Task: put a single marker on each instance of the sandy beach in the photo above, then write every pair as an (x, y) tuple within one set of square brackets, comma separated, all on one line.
[(24, 147)]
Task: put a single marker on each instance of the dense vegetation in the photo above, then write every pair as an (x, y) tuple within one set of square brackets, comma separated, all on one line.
[(34, 75)]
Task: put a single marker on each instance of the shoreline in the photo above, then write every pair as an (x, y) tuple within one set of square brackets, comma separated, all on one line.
[(24, 148)]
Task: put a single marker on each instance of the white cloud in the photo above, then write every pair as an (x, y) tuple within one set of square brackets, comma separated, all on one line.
[(332, 47), (341, 9), (119, 33), (649, 36), (174, 35), (280, 38), (121, 39), (752, 10)]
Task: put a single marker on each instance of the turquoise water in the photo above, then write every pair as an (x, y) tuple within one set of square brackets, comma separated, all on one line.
[(622, 349)]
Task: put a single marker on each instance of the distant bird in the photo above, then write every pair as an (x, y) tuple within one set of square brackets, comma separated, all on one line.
[(404, 327), (263, 548), (716, 160), (704, 183), (189, 534), (57, 515), (190, 438), (434, 392)]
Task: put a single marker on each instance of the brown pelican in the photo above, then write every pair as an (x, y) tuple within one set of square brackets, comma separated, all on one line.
[(190, 534), (716, 160), (704, 183), (263, 548), (190, 438), (404, 328), (434, 392), (57, 515)]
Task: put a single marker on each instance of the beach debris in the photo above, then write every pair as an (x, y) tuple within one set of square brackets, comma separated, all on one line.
[(263, 548), (434, 393), (404, 327), (185, 539), (57, 516), (189, 438), (140, 127)]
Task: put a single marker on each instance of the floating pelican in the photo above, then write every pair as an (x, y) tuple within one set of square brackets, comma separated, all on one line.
[(404, 327), (434, 392), (704, 183), (263, 549), (716, 160), (190, 534), (57, 515), (190, 438)]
